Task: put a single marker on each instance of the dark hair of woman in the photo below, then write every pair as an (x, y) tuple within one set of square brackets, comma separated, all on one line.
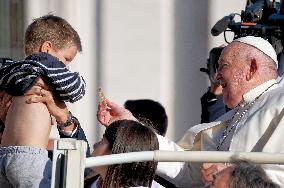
[(130, 136)]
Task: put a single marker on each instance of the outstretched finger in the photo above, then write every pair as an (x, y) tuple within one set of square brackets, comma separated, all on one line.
[(111, 105), (102, 106)]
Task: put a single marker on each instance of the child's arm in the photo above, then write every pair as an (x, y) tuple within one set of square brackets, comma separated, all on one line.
[(68, 86), (19, 77)]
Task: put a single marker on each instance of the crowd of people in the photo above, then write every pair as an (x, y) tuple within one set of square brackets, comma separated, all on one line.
[(34, 92)]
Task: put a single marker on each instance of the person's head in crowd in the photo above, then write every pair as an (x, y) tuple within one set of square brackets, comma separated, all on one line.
[(149, 112), (243, 65), (121, 137), (53, 35), (243, 174)]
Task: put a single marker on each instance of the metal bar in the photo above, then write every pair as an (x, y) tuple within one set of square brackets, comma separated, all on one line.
[(119, 158), (219, 156), (186, 156)]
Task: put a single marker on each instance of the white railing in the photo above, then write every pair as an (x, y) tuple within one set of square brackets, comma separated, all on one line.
[(69, 160), (186, 156)]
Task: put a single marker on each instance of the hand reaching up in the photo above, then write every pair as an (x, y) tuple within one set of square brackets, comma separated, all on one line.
[(109, 112)]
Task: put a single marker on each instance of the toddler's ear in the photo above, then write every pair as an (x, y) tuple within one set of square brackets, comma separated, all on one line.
[(46, 47)]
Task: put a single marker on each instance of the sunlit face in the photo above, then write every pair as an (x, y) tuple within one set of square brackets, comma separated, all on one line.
[(223, 178), (65, 55), (101, 148), (232, 75)]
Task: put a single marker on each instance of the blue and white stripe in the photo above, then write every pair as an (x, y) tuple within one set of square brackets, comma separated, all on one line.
[(16, 77)]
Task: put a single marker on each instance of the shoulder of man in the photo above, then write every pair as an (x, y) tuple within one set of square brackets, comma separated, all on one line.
[(274, 97)]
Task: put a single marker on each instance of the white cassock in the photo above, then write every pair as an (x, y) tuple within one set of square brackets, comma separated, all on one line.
[(255, 125)]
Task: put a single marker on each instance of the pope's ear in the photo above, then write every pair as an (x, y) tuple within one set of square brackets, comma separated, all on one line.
[(253, 67), (45, 47)]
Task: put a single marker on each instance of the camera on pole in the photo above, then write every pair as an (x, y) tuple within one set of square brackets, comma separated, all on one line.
[(261, 18)]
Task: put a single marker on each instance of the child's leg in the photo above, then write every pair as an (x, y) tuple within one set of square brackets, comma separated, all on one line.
[(25, 166)]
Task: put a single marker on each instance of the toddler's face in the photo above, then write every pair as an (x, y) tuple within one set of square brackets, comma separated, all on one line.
[(65, 55)]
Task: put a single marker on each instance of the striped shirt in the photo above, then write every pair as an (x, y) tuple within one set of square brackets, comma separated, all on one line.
[(17, 77)]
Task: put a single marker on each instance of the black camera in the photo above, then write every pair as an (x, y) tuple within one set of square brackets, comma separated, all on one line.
[(261, 18), (212, 64)]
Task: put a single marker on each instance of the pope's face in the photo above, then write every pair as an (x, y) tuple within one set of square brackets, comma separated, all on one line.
[(232, 75)]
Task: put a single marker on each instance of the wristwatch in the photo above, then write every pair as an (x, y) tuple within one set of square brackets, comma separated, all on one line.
[(70, 120)]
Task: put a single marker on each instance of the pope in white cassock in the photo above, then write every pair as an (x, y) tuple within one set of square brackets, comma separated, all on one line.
[(247, 72)]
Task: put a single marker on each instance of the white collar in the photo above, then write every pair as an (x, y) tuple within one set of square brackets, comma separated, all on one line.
[(255, 92)]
